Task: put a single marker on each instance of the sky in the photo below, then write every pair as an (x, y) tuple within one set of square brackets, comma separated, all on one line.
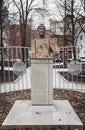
[(49, 5)]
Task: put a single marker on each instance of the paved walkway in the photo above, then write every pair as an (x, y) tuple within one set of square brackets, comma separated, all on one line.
[(23, 82)]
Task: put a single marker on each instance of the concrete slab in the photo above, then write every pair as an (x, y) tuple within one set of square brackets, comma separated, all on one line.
[(23, 114)]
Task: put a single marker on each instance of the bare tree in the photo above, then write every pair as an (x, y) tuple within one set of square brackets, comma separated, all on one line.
[(24, 9), (3, 19), (3, 23), (70, 12)]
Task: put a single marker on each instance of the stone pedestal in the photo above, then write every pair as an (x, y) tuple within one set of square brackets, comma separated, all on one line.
[(41, 81), (24, 115)]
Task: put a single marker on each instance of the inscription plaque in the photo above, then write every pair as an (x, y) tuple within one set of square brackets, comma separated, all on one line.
[(74, 67), (19, 68)]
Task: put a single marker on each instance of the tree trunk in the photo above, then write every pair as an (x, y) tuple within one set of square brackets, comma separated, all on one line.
[(2, 51), (1, 36), (65, 38), (23, 42), (73, 30)]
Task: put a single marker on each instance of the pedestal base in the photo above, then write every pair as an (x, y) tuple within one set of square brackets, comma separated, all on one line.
[(23, 114), (42, 81)]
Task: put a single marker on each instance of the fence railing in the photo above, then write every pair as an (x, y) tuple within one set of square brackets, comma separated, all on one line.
[(62, 78), (9, 81), (69, 68)]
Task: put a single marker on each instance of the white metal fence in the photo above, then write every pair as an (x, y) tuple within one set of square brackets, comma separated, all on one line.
[(9, 81), (62, 79), (69, 68)]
